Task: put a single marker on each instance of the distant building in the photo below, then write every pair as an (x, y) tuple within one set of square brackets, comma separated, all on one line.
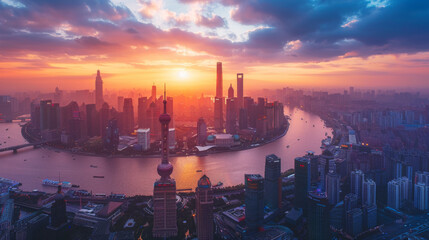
[(153, 96), (242, 119), (142, 118), (302, 181), (143, 136), (204, 209), (369, 216), (318, 216), (240, 86), (5, 109), (223, 140), (111, 139), (98, 91), (231, 116), (218, 113), (92, 120), (201, 132), (219, 80), (104, 118), (357, 178), (273, 182), (254, 200), (230, 91), (172, 138), (421, 196), (354, 222), (333, 188), (397, 192), (369, 193), (128, 116), (120, 103)]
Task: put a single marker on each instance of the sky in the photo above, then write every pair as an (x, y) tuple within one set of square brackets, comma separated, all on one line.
[(275, 43)]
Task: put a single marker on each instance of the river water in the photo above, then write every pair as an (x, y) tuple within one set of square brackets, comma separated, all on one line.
[(132, 176)]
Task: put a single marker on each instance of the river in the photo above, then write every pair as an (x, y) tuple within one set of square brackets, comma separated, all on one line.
[(132, 176)]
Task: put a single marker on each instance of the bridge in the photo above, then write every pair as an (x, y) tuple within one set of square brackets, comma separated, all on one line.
[(15, 148)]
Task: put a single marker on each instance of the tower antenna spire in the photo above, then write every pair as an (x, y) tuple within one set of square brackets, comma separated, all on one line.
[(165, 98)]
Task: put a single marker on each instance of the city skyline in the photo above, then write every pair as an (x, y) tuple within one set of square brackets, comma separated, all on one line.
[(332, 44)]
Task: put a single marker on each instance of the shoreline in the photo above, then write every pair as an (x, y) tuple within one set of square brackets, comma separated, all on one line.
[(56, 149)]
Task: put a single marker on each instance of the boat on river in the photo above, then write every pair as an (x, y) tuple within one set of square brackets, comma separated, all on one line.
[(54, 183)]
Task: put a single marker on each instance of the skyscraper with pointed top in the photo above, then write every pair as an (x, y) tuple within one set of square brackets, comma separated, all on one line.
[(164, 191), (98, 91)]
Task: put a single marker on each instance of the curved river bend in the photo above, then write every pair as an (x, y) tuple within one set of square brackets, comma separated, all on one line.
[(133, 176)]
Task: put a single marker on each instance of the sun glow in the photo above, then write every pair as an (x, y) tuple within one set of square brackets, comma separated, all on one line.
[(183, 74)]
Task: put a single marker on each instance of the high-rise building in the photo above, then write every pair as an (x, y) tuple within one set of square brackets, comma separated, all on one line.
[(164, 191), (143, 136), (254, 200), (142, 118), (422, 177), (333, 188), (240, 90), (92, 121), (318, 216), (5, 109), (128, 116), (354, 222), (350, 202), (49, 115), (153, 96), (369, 216), (369, 192), (120, 104), (357, 178), (219, 80), (231, 114), (98, 91), (204, 209), (397, 192), (153, 113), (111, 138), (230, 91), (218, 113), (172, 138), (201, 132), (273, 181), (421, 196), (104, 118), (242, 119), (302, 181)]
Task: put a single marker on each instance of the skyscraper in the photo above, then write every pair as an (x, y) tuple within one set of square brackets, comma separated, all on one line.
[(254, 200), (143, 136), (357, 178), (369, 192), (273, 181), (354, 222), (397, 192), (104, 118), (111, 138), (204, 209), (153, 96), (120, 103), (218, 113), (231, 116), (128, 116), (92, 121), (421, 194), (350, 202), (318, 216), (98, 91), (164, 191), (333, 187), (219, 80), (240, 90), (230, 91), (142, 119), (201, 132), (302, 181)]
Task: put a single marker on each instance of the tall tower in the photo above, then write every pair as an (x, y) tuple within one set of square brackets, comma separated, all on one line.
[(164, 191), (357, 178), (240, 90), (128, 116), (98, 91), (219, 80), (254, 200), (204, 208), (302, 181), (273, 181), (219, 100)]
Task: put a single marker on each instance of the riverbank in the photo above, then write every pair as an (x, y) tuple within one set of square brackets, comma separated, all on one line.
[(26, 134)]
